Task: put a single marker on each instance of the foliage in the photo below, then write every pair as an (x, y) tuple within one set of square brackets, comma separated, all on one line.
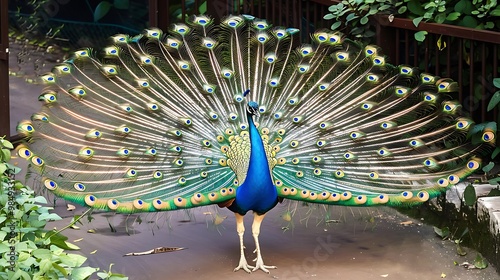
[(478, 14), (28, 250)]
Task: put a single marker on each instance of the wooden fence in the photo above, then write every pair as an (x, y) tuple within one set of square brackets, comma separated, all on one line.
[(468, 56)]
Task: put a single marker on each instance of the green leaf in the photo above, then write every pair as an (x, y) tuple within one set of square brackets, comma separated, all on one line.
[(416, 21), (3, 168), (453, 16), (82, 273), (336, 25), (470, 195), (364, 20), (494, 192), (121, 4), (480, 262), (442, 232), (494, 101), (6, 144), (402, 10), (420, 36), (495, 152), (415, 7), (203, 8), (45, 265), (440, 18), (496, 82), (488, 167), (329, 16), (60, 268), (469, 21), (101, 10), (495, 12), (351, 17)]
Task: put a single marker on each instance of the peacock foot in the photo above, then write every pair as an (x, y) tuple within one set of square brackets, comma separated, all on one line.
[(259, 264), (244, 265)]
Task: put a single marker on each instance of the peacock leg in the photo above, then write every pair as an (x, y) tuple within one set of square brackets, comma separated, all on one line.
[(257, 220), (240, 229)]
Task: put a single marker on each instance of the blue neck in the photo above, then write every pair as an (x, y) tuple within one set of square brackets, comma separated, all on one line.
[(257, 192)]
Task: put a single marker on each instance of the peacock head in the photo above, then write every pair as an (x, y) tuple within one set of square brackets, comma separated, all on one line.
[(253, 108)]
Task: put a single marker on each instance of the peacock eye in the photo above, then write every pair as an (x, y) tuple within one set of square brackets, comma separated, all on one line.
[(370, 50), (49, 184), (178, 162), (153, 33), (339, 174), (323, 86), (260, 24), (209, 88), (126, 108), (367, 106), (151, 152), (243, 126), (86, 153), (281, 131), (24, 153), (173, 43), (79, 187), (119, 38), (93, 134), (183, 65), (239, 98), (429, 97), (273, 82), (320, 37), (294, 143), (202, 20), (303, 68), (488, 136), (342, 56), (262, 37), (78, 92), (384, 152), (356, 135), (279, 33), (270, 58), (293, 101), (205, 143), (431, 163), (443, 182), (233, 22), (186, 121), (401, 91), (349, 156), (373, 175), (48, 97), (123, 130), (123, 152), (62, 69), (415, 143), (473, 165), (208, 43), (213, 115), (131, 173), (427, 79), (203, 174), (277, 115), (306, 51), (405, 70), (317, 171), (334, 39), (295, 161), (181, 29), (453, 179), (40, 117), (208, 161), (378, 60), (297, 119), (388, 125), (111, 51), (450, 107), (25, 128), (463, 124), (372, 78), (321, 143), (37, 161), (109, 70)]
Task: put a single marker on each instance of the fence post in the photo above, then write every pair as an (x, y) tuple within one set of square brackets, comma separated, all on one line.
[(4, 71)]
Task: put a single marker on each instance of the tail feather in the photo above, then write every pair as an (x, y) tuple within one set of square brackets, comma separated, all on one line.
[(158, 121)]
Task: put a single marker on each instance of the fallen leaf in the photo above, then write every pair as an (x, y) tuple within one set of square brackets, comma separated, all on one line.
[(443, 275), (406, 223), (384, 275), (91, 231), (78, 240), (71, 207), (93, 252)]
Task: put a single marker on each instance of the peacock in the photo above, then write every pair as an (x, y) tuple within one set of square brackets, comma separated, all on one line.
[(243, 115)]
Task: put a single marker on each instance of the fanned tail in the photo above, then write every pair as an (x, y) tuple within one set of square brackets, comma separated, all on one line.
[(157, 121)]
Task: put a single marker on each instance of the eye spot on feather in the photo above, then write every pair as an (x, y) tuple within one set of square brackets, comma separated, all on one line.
[(407, 194), (37, 161), (472, 165), (304, 193), (294, 143), (346, 195), (222, 162), (49, 184), (79, 187), (488, 136), (295, 161), (373, 175), (443, 182), (213, 196), (24, 153), (208, 161), (453, 179), (182, 180), (278, 183), (360, 199), (334, 197), (90, 200), (423, 196), (321, 143), (157, 175), (113, 204), (317, 171), (299, 174), (281, 161), (293, 191), (131, 173), (339, 174), (86, 153), (381, 199)]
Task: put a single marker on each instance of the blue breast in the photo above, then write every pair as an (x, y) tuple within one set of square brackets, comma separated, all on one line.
[(258, 192)]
